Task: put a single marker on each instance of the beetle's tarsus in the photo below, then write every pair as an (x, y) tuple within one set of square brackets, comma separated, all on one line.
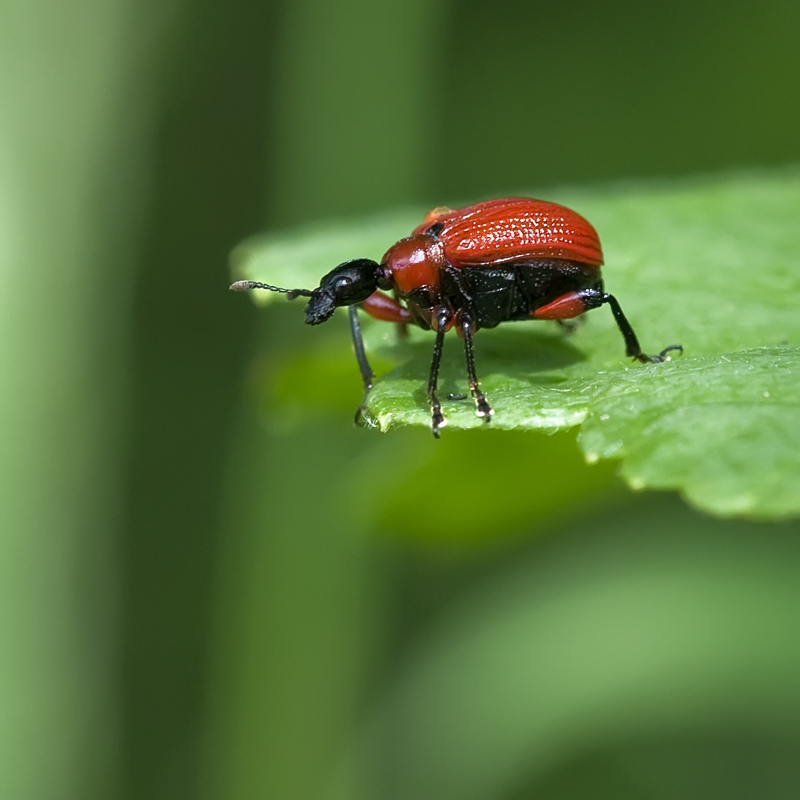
[(484, 410), (482, 407), (437, 420), (360, 418)]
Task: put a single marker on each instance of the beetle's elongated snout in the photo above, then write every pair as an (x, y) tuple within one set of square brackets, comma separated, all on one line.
[(320, 307)]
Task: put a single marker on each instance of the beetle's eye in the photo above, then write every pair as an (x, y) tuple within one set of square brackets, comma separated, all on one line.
[(351, 282)]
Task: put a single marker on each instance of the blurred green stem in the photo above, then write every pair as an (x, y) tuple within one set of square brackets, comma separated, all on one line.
[(336, 59), (295, 579), (73, 145)]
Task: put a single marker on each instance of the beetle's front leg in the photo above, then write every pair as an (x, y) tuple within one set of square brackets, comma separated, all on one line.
[(367, 375), (382, 307)]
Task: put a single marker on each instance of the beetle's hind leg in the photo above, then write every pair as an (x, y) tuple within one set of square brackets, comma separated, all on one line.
[(632, 347), (575, 303), (482, 407)]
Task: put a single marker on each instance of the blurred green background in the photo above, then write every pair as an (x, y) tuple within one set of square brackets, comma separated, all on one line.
[(199, 599)]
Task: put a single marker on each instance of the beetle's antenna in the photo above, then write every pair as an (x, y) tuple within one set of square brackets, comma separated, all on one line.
[(243, 286)]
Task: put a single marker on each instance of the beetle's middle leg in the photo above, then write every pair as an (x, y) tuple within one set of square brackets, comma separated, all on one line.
[(438, 421), (378, 306), (482, 407)]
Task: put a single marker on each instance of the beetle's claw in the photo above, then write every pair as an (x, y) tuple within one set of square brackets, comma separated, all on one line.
[(661, 357), (663, 354)]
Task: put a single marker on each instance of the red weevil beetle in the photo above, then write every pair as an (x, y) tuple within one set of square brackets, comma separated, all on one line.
[(471, 268)]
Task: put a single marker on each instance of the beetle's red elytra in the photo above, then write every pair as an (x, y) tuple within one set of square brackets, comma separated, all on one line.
[(470, 268)]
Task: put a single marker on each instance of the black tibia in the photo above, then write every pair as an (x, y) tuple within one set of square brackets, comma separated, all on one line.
[(593, 298), (437, 418), (366, 371), (482, 408)]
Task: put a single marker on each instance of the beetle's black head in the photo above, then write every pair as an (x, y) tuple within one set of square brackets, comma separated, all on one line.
[(349, 283)]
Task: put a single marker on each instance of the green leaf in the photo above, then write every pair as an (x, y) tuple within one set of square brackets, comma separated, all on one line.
[(713, 264)]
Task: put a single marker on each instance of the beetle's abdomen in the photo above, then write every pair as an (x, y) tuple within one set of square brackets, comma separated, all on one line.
[(513, 291), (514, 229)]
